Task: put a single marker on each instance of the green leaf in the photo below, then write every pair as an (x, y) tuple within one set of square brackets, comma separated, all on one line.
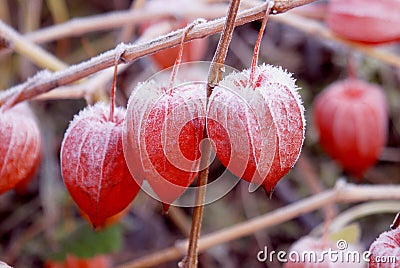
[(351, 233), (84, 242)]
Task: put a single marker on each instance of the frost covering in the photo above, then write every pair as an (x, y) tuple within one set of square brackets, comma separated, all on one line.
[(93, 164), (20, 146), (164, 128), (385, 247), (258, 130)]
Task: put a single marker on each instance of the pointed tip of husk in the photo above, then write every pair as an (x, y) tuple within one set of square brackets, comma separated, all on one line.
[(165, 209), (268, 191)]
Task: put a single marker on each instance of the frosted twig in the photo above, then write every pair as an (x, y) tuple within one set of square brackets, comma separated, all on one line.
[(39, 84), (342, 193), (87, 88)]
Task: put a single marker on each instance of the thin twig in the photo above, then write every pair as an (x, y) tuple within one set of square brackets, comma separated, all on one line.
[(4, 11), (285, 5), (30, 50), (46, 81), (214, 77), (315, 28), (357, 212), (115, 19), (32, 13), (80, 26), (128, 30), (342, 193), (178, 217), (310, 177)]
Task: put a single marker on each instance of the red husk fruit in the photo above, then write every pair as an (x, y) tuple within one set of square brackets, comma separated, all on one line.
[(71, 261), (20, 147), (351, 118), (163, 132), (93, 164), (367, 21), (385, 247), (260, 129), (194, 50)]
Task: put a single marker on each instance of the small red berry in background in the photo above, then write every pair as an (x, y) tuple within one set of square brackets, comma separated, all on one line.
[(351, 118), (20, 147), (312, 252), (93, 164), (386, 247), (367, 21), (100, 261), (194, 50)]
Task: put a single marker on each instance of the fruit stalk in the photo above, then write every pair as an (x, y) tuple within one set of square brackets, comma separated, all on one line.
[(214, 76), (256, 52), (120, 49), (178, 60)]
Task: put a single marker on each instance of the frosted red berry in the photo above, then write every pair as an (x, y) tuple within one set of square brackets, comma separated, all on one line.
[(351, 118), (317, 253), (367, 21), (164, 128), (257, 129), (385, 248), (93, 164), (20, 147), (194, 50)]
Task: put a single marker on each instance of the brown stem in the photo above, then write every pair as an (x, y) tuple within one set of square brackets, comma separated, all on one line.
[(396, 222), (191, 258), (113, 87), (351, 65), (214, 77), (285, 5)]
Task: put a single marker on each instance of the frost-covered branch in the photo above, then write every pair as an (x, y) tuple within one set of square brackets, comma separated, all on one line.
[(45, 81)]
